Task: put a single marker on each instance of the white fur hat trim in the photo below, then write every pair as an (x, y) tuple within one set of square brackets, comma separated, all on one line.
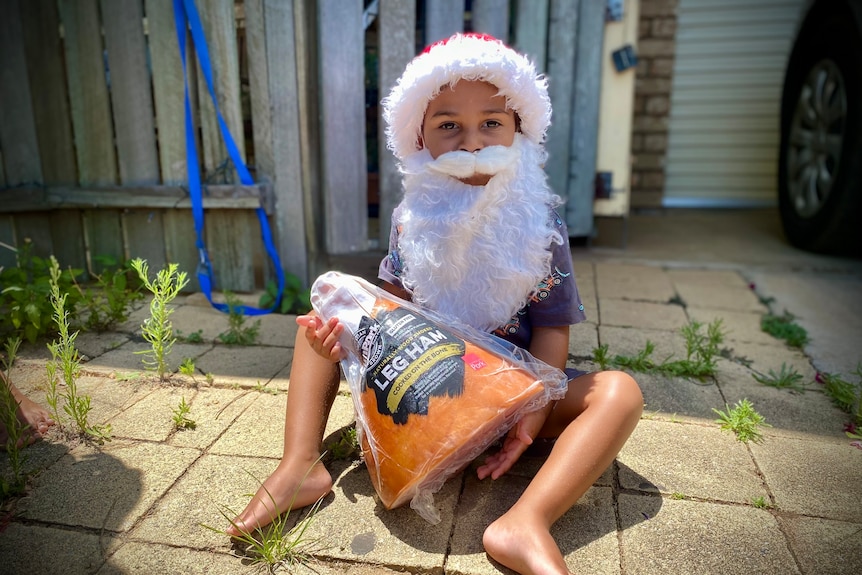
[(465, 57)]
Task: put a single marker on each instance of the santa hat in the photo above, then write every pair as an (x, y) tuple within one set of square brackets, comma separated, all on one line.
[(465, 57)]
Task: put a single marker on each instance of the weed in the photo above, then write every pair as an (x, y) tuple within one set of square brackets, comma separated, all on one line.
[(15, 429), (641, 362), (600, 356), (760, 502), (181, 416), (743, 421), (294, 299), (844, 394), (347, 446), (193, 337), (209, 378), (132, 376), (271, 546), (65, 357), (784, 327), (784, 379), (187, 367), (238, 333), (261, 387), (107, 303), (25, 295), (677, 300), (157, 329), (677, 495)]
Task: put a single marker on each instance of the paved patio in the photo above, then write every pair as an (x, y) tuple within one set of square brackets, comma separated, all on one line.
[(678, 499)]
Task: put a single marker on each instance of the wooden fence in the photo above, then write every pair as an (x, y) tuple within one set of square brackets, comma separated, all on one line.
[(92, 144)]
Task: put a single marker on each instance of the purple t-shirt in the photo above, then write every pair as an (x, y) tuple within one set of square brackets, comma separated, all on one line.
[(555, 303)]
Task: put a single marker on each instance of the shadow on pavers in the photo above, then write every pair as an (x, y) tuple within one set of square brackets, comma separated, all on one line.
[(80, 503)]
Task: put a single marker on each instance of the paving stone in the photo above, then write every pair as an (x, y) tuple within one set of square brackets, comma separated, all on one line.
[(702, 538), (629, 342), (586, 534), (243, 365), (583, 339), (93, 344), (626, 313), (207, 322), (145, 558), (824, 546), (719, 297), (126, 358), (693, 460), (278, 330), (739, 326), (152, 416), (30, 549), (213, 488), (678, 398), (764, 358), (354, 525), (110, 397), (632, 282), (259, 431), (791, 414), (109, 488), (818, 477), (213, 411), (713, 277)]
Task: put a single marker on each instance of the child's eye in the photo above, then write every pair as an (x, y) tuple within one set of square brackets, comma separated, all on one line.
[(493, 124), (448, 126)]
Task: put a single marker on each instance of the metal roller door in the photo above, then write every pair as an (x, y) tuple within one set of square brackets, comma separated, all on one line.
[(725, 103)]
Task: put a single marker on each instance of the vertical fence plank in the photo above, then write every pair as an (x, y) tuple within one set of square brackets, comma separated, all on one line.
[(40, 24), (131, 95), (562, 44), (258, 79), (67, 237), (8, 258), (342, 89), (585, 118), (144, 237), (397, 37), (232, 245), (36, 228), (442, 19), (284, 100), (88, 92), (104, 237), (167, 90), (18, 138), (217, 17), (491, 17), (179, 229), (531, 31)]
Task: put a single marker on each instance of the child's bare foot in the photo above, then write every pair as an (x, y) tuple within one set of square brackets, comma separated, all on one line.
[(31, 414), (524, 544), (288, 488)]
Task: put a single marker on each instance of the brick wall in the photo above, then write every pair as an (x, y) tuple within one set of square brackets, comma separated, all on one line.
[(656, 48)]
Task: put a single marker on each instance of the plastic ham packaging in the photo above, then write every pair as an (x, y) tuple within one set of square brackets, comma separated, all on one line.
[(430, 395)]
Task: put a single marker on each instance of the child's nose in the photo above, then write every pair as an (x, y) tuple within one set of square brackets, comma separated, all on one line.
[(472, 141)]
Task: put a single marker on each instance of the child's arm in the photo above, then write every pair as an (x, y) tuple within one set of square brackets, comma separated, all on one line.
[(551, 345)]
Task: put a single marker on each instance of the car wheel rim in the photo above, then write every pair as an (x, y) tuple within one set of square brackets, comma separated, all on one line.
[(816, 138)]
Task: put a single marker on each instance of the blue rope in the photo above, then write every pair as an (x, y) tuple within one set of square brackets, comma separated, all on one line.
[(186, 15)]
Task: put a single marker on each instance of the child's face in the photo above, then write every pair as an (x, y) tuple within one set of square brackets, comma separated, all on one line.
[(468, 117)]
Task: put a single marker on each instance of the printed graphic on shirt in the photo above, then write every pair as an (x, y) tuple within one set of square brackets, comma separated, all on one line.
[(543, 290), (407, 360)]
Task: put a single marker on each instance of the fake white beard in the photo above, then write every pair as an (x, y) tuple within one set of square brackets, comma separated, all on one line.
[(477, 253)]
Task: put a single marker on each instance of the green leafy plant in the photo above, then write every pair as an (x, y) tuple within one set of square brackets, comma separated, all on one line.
[(25, 296), (743, 421), (65, 358), (181, 416), (677, 495), (347, 445), (157, 329), (275, 546), (846, 395), (784, 327), (15, 429), (294, 299), (601, 357), (786, 378), (760, 502), (193, 337), (238, 333), (107, 303)]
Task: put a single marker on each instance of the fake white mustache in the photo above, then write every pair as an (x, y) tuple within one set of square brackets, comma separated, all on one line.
[(489, 161)]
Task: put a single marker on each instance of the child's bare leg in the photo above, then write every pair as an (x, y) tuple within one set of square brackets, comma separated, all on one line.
[(300, 479), (593, 422), (29, 413)]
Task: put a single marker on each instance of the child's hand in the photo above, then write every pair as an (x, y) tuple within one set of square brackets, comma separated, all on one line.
[(517, 441), (323, 336)]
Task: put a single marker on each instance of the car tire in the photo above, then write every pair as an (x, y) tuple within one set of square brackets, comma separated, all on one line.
[(819, 167)]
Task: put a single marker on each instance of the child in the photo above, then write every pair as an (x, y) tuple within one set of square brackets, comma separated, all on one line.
[(33, 416), (475, 238)]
